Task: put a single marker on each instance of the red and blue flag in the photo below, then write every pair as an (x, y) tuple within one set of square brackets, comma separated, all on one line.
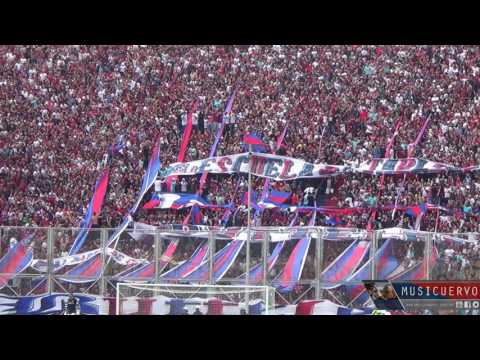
[(94, 209), (255, 141), (416, 210)]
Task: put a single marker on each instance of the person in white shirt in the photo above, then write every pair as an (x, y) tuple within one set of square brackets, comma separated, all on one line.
[(183, 185)]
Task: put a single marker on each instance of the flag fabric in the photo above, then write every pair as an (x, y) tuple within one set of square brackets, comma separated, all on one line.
[(292, 271), (256, 143), (223, 260), (187, 132), (85, 272), (167, 255), (416, 210), (419, 270), (385, 264), (143, 273), (333, 220), (150, 175), (218, 136), (174, 201), (266, 184), (147, 182), (94, 209), (16, 260), (279, 197), (186, 267), (256, 273), (345, 264), (196, 216)]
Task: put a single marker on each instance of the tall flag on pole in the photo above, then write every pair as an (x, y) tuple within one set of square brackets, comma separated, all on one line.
[(266, 184), (150, 175), (415, 211), (147, 182), (255, 141), (187, 132), (94, 209)]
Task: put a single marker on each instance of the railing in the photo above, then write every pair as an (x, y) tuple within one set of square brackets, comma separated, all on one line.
[(330, 261)]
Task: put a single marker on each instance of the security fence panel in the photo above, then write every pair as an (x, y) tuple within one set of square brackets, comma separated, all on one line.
[(183, 252), (21, 248), (77, 267), (458, 257)]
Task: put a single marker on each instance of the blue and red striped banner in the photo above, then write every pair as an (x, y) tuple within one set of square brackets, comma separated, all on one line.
[(94, 209), (87, 271), (345, 264), (223, 260), (186, 267), (292, 271), (16, 260)]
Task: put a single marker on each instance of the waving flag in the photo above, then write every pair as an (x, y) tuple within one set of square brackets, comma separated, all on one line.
[(150, 175), (256, 143), (16, 260), (223, 260), (292, 271), (218, 136), (256, 273), (266, 183), (279, 197), (88, 271), (416, 210), (147, 182), (94, 209), (186, 267), (333, 220), (345, 264), (276, 199), (174, 201), (185, 140)]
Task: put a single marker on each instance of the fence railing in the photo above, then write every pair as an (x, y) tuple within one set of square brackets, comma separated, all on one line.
[(300, 262)]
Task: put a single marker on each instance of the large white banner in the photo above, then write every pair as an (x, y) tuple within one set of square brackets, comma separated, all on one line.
[(401, 166), (119, 257), (264, 165)]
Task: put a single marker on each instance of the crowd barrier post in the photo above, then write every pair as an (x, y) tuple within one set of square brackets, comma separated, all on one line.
[(157, 253), (266, 242), (50, 242), (103, 240), (318, 263), (428, 249), (211, 246), (374, 237)]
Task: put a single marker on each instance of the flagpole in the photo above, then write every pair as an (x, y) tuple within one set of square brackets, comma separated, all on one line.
[(249, 225)]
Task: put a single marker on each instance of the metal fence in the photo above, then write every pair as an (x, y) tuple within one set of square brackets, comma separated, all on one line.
[(336, 259)]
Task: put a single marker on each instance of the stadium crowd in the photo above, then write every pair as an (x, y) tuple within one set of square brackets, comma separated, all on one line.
[(63, 106)]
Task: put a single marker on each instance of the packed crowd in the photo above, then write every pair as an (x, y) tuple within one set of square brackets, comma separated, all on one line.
[(63, 106)]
